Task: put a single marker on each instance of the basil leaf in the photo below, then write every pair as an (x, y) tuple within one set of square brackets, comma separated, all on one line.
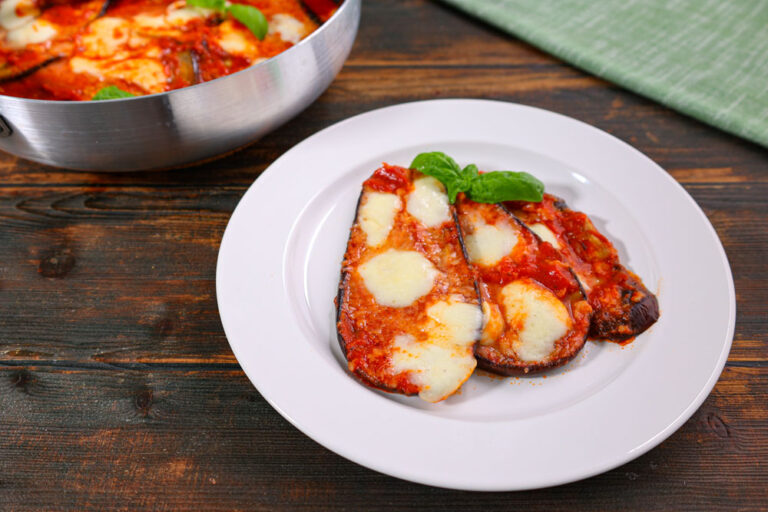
[(216, 5), (111, 93), (491, 187), (445, 169), (468, 175), (248, 15), (251, 17), (498, 186), (435, 159)]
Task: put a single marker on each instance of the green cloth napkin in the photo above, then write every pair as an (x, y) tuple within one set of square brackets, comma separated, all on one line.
[(706, 58)]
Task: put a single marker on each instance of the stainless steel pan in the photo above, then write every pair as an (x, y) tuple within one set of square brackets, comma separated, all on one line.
[(184, 126)]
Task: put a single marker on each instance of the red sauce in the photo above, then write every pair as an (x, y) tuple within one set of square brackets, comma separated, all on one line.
[(368, 328), (623, 306), (388, 178), (529, 260)]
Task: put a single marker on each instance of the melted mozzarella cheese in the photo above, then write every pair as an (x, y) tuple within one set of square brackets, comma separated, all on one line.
[(489, 243), (177, 15), (37, 31), (10, 10), (236, 41), (145, 73), (290, 29), (183, 15), (428, 202), (106, 37), (398, 278), (377, 216), (545, 234), (146, 21), (539, 317), (442, 362)]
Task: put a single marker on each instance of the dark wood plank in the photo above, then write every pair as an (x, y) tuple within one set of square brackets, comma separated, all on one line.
[(113, 276), (205, 440)]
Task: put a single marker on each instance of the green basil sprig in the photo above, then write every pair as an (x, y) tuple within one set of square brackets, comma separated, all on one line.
[(111, 92), (248, 15), (488, 187)]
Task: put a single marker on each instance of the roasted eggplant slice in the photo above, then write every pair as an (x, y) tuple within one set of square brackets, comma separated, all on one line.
[(623, 306), (536, 314), (408, 314)]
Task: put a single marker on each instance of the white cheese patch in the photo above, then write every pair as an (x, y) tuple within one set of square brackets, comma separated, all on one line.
[(377, 216), (106, 37), (441, 363), (290, 29), (545, 234), (147, 21), (81, 65), (10, 11), (37, 31), (428, 202), (148, 74), (540, 316), (489, 243), (235, 41), (177, 15), (398, 278), (183, 15)]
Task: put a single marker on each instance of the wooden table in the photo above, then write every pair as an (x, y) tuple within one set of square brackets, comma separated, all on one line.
[(118, 390)]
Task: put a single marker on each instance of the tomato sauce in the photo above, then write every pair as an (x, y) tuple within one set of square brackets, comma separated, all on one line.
[(367, 329), (529, 260), (623, 306)]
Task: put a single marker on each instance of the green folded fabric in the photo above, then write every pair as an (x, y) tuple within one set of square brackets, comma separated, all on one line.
[(706, 58)]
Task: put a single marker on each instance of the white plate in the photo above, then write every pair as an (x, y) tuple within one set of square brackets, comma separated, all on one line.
[(279, 265)]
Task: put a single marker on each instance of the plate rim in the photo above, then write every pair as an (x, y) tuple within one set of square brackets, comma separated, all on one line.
[(616, 461)]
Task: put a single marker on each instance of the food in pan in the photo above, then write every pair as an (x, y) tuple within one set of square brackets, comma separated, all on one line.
[(448, 268), (81, 50)]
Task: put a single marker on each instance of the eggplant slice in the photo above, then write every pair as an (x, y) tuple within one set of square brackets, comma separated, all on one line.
[(408, 314), (623, 306), (536, 314)]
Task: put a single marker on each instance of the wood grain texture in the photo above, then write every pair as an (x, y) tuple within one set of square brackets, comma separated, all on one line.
[(118, 390), (205, 439)]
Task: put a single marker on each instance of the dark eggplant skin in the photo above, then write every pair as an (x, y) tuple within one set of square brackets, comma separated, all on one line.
[(491, 359), (635, 317)]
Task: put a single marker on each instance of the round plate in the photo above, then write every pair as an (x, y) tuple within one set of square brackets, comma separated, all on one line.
[(278, 272)]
